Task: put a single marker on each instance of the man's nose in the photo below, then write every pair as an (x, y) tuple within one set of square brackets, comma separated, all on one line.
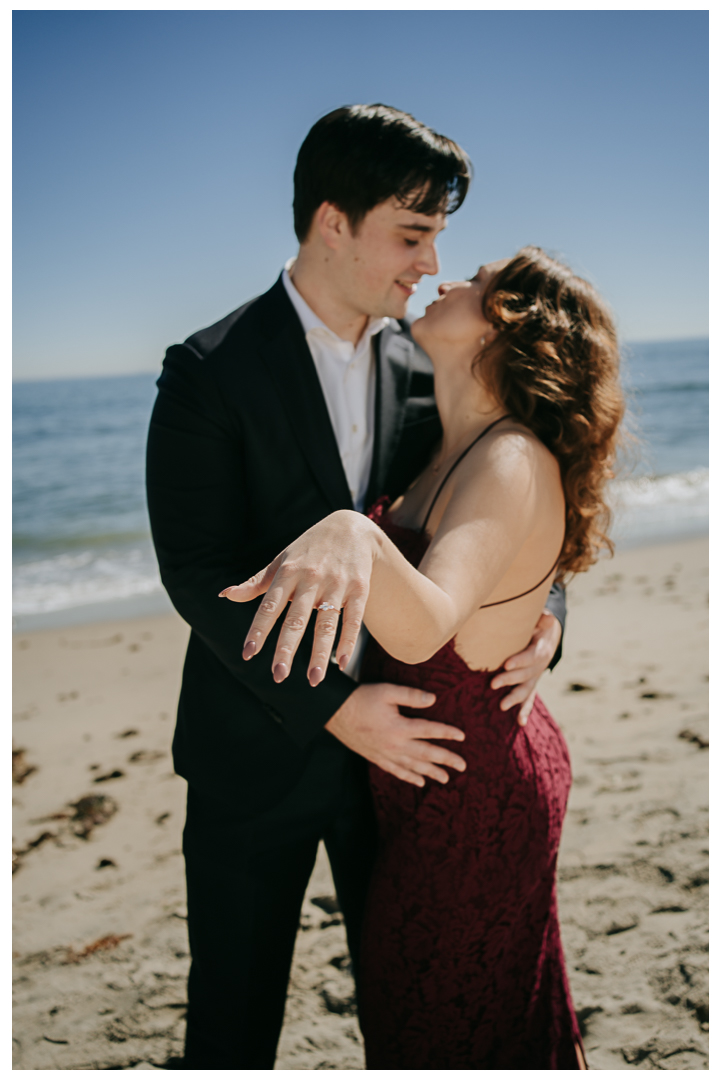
[(427, 261)]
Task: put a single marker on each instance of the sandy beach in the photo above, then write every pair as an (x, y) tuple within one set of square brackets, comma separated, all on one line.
[(100, 946)]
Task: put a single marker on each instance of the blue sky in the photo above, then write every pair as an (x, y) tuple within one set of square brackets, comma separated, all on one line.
[(154, 154)]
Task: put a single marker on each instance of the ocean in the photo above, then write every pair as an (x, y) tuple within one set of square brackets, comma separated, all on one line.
[(81, 536)]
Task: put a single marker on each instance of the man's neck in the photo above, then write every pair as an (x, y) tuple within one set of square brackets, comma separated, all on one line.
[(315, 285)]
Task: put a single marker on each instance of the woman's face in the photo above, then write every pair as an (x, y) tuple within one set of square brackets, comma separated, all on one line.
[(456, 317)]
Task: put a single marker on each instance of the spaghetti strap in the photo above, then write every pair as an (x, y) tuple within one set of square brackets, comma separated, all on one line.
[(455, 465), (527, 591), (452, 468)]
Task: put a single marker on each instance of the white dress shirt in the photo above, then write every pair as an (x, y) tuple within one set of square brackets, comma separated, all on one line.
[(347, 378)]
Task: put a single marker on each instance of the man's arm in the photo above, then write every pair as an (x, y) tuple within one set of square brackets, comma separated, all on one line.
[(199, 519)]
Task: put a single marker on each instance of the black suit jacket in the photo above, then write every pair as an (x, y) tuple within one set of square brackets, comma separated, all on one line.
[(241, 459)]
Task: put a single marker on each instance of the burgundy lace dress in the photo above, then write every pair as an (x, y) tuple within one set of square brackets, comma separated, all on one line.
[(462, 965)]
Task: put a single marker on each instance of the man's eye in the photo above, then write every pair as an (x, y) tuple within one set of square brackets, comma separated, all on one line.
[(411, 243)]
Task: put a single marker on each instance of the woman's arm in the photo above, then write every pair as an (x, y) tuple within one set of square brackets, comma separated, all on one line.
[(412, 613)]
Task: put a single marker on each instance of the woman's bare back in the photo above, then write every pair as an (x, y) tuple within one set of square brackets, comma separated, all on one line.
[(504, 623)]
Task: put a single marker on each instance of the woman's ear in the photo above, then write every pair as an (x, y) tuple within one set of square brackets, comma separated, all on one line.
[(487, 339)]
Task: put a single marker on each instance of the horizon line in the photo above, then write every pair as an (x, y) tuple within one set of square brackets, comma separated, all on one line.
[(151, 371)]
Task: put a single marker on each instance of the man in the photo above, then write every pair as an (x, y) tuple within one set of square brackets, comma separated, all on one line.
[(309, 399)]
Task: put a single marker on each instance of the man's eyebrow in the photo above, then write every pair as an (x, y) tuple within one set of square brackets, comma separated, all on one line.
[(423, 228)]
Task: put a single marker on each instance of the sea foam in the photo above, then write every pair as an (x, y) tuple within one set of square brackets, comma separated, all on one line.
[(649, 509)]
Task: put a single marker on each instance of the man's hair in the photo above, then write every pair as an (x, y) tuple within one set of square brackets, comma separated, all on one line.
[(360, 155)]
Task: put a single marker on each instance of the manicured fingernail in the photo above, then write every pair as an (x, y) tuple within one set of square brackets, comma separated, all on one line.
[(315, 676), (343, 661), (280, 672), (522, 721), (249, 649), (428, 699)]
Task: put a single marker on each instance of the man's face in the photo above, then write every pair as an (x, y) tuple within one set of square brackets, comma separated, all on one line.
[(381, 265)]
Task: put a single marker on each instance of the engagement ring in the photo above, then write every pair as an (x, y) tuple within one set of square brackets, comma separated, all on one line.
[(327, 607)]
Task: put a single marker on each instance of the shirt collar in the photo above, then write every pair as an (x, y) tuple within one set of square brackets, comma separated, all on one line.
[(310, 320)]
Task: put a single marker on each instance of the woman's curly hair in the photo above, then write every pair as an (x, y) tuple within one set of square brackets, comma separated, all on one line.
[(555, 366)]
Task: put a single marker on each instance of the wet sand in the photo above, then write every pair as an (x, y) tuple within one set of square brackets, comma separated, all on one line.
[(100, 946)]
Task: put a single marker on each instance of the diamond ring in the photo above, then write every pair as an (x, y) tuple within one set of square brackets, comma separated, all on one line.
[(327, 607)]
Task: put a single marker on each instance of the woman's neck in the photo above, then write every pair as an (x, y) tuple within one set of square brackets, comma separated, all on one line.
[(464, 405)]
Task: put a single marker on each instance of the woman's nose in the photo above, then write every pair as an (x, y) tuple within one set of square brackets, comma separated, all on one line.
[(444, 287)]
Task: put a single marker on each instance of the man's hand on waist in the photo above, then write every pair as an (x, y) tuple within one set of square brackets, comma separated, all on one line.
[(523, 670), (369, 723)]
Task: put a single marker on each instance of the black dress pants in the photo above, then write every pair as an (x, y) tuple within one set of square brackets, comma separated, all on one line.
[(246, 879)]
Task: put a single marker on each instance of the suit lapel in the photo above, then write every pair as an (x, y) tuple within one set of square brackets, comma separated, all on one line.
[(293, 372), (394, 355)]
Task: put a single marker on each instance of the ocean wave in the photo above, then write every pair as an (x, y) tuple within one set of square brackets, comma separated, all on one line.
[(654, 508), (647, 387), (670, 490), (83, 577), (29, 544)]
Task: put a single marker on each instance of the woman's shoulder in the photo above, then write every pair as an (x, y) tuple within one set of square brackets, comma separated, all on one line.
[(511, 451)]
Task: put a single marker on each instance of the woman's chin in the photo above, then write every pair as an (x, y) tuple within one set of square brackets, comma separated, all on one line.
[(417, 328)]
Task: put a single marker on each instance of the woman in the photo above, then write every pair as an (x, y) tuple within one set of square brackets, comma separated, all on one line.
[(462, 962)]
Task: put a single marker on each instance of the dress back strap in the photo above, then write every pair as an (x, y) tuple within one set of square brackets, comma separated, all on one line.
[(455, 465), (527, 592)]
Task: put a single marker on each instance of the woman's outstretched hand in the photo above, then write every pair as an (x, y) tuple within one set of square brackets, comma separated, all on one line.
[(327, 569)]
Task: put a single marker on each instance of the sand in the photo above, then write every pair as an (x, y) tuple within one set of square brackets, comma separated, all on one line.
[(100, 940)]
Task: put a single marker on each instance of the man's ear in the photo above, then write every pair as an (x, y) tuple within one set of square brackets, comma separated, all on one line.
[(332, 225)]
